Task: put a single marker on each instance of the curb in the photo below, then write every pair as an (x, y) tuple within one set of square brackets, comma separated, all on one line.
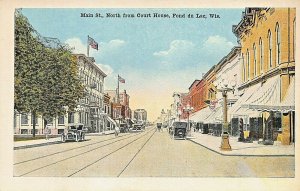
[(240, 155), (36, 145)]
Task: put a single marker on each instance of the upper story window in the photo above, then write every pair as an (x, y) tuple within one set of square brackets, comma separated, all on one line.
[(270, 48), (244, 68), (278, 41), (61, 120), (261, 54), (24, 119), (248, 64), (294, 38), (254, 61)]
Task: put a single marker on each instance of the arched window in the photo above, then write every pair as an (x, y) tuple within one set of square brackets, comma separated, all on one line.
[(294, 38), (244, 68), (261, 54), (270, 48), (254, 61), (248, 64), (277, 30)]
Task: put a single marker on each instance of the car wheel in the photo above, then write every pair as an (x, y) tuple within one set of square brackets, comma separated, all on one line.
[(63, 138)]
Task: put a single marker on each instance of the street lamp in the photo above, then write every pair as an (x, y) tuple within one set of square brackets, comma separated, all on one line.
[(188, 109), (225, 145)]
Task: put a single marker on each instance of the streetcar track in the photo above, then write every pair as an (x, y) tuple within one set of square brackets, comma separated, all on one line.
[(59, 152), (110, 153), (82, 153), (136, 154)]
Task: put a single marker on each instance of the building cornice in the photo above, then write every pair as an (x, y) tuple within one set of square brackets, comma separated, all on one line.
[(91, 61)]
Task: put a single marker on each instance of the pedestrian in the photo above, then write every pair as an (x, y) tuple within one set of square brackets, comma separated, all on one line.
[(117, 131), (47, 132)]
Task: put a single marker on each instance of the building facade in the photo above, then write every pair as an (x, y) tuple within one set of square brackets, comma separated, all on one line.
[(87, 111), (268, 39), (195, 96)]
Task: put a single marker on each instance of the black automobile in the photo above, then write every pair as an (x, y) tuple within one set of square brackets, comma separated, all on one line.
[(178, 129), (138, 126), (124, 128)]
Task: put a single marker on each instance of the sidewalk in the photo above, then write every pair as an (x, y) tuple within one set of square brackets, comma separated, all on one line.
[(51, 141), (36, 143), (242, 149)]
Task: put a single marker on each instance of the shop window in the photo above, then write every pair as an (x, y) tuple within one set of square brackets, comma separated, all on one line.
[(24, 131)]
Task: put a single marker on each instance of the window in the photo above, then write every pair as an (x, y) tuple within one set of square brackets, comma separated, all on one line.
[(71, 117), (277, 30), (61, 120), (24, 119), (270, 48), (36, 120), (248, 64), (261, 54), (294, 38), (243, 68), (254, 56)]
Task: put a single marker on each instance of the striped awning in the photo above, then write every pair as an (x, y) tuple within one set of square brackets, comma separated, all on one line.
[(238, 110), (288, 103), (266, 97), (215, 117), (201, 115)]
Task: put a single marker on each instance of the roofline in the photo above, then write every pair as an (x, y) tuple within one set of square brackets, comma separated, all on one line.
[(194, 83), (92, 63)]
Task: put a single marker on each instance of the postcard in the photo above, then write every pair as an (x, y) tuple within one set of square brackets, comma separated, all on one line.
[(150, 96)]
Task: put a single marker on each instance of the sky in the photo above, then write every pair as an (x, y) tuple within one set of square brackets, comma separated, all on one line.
[(155, 56)]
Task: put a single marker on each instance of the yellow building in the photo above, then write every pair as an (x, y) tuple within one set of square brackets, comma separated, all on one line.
[(267, 38)]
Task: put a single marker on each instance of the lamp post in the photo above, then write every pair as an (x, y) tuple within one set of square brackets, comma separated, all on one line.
[(224, 89), (188, 109)]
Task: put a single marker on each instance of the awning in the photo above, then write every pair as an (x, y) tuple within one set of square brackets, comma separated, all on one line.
[(266, 97), (238, 110), (215, 117), (288, 103), (201, 115), (111, 120)]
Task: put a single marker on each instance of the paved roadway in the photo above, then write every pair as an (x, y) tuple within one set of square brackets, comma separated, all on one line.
[(142, 154)]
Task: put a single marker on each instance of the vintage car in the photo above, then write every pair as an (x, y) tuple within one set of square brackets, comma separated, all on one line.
[(178, 130), (139, 125), (75, 132), (159, 125), (124, 127)]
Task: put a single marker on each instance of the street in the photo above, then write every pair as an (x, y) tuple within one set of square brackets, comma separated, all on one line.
[(142, 154)]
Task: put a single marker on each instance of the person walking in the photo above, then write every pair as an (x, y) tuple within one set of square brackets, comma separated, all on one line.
[(47, 132), (117, 131)]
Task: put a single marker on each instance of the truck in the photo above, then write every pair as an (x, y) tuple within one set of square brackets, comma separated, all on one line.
[(140, 118)]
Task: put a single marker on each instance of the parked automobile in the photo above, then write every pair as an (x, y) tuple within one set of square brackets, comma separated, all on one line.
[(178, 129), (124, 128), (159, 125), (139, 125), (74, 132)]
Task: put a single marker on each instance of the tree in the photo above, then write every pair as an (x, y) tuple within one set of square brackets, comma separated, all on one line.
[(46, 76)]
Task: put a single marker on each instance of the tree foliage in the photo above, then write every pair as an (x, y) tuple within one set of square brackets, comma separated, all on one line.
[(46, 76)]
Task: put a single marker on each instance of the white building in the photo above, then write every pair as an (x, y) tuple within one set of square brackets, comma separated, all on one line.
[(87, 111)]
